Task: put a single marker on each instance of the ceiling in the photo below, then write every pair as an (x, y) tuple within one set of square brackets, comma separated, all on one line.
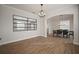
[(35, 8)]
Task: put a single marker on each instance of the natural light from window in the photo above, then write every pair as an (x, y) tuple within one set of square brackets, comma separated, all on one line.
[(65, 24)]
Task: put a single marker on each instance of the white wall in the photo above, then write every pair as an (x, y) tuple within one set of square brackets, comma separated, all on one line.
[(0, 22), (42, 26), (53, 24), (6, 25), (69, 10), (78, 23)]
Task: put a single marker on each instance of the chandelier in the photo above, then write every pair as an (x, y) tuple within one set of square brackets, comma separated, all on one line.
[(41, 12)]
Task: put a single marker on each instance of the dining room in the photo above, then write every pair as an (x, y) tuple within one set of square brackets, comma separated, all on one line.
[(61, 26)]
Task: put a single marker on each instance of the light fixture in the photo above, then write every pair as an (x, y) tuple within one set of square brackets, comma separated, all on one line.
[(41, 12)]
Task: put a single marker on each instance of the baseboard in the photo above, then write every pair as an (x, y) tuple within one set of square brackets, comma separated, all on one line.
[(17, 40), (76, 42)]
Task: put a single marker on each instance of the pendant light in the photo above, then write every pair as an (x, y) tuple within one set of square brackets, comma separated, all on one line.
[(41, 12)]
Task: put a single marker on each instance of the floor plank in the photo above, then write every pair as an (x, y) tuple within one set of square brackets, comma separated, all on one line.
[(41, 45)]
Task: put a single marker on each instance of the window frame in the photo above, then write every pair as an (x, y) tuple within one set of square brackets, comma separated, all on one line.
[(26, 23)]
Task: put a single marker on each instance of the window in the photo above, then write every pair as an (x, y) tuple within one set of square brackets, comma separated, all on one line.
[(23, 23), (65, 24)]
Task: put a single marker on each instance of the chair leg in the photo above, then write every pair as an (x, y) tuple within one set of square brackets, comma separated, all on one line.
[(63, 35), (53, 35), (66, 36)]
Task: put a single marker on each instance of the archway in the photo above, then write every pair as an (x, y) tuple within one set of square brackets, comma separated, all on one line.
[(64, 22)]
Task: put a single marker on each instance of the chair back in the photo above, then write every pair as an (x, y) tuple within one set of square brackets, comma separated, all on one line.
[(59, 31), (65, 32)]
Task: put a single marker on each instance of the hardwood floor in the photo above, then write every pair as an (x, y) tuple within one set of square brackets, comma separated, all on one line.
[(41, 45)]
